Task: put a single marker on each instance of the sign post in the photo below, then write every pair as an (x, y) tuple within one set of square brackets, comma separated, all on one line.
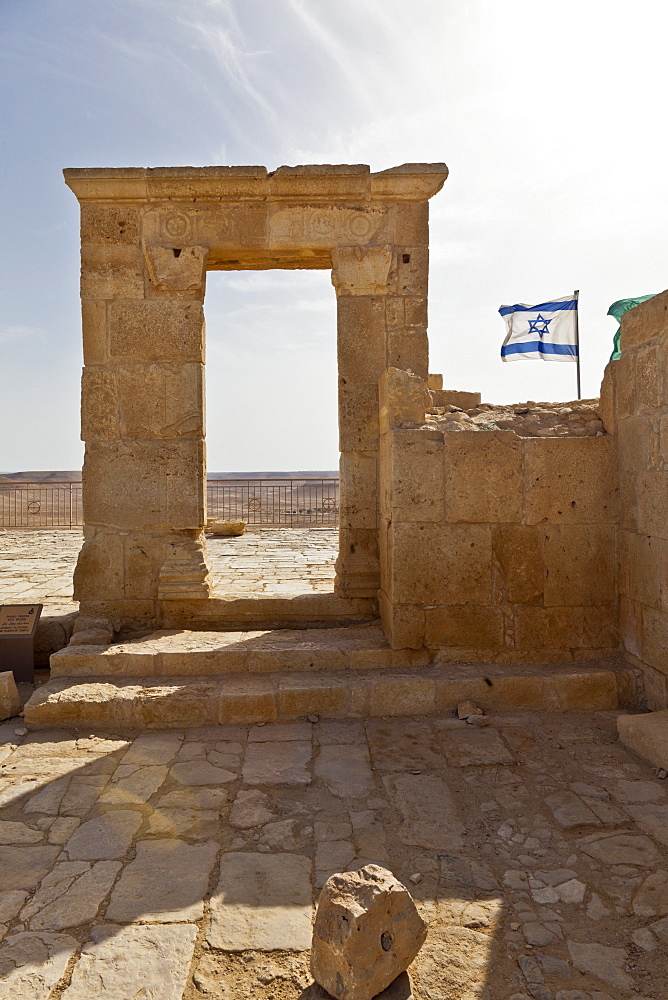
[(18, 624)]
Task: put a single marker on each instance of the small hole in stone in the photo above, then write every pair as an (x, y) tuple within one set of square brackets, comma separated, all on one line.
[(406, 258), (385, 941), (177, 253)]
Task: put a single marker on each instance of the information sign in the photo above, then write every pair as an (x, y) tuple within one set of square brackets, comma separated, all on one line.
[(19, 619), (18, 624)]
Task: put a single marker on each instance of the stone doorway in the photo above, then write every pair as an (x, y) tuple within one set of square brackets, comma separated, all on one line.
[(149, 236)]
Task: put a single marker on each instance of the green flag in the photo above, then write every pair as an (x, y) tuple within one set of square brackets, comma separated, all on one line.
[(617, 309)]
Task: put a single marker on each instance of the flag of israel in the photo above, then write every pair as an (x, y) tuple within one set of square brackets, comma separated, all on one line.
[(546, 332)]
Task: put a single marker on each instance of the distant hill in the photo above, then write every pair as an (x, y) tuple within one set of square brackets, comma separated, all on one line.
[(75, 477)]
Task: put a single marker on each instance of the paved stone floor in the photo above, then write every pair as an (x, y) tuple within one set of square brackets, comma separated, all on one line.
[(37, 566), (185, 865)]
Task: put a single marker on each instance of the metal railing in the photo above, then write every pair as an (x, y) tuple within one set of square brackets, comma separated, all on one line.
[(297, 502), (40, 505)]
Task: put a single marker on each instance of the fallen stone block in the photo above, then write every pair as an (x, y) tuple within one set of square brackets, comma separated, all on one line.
[(367, 932), (9, 696), (647, 735)]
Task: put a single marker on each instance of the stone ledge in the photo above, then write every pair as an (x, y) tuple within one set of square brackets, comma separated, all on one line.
[(174, 702), (647, 735)]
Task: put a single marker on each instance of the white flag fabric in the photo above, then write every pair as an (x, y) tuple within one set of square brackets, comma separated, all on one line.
[(546, 332)]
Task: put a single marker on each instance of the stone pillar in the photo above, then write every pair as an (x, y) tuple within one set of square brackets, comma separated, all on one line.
[(381, 321), (142, 419)]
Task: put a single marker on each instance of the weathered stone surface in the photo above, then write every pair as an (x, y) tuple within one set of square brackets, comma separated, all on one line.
[(122, 962), (152, 748), (465, 747), (136, 787), (367, 931), (651, 899), (32, 964), (570, 811), (277, 763), (454, 962), (70, 895), (10, 903), (106, 836), (647, 735), (623, 849), (429, 814), (10, 703), (652, 817), (345, 770), (249, 809), (21, 867), (601, 961), (262, 902), (193, 797), (166, 882), (201, 772), (18, 833)]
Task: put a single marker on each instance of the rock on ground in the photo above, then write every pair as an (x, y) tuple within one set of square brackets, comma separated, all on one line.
[(367, 931)]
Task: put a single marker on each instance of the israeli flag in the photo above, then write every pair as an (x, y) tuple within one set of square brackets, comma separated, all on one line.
[(546, 332)]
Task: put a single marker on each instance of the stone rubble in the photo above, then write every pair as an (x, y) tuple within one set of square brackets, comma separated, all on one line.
[(579, 418), (534, 850)]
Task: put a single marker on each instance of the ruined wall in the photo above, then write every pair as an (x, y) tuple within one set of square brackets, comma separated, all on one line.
[(637, 391), (495, 546)]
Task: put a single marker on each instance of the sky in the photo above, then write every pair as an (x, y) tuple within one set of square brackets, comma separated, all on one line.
[(549, 116)]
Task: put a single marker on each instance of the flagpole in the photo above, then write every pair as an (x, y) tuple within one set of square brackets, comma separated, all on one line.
[(577, 337)]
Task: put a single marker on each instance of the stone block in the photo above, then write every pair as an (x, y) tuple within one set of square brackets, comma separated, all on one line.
[(552, 628), (177, 269), (405, 695), (638, 439), (415, 312), (99, 405), (357, 569), (456, 397), (607, 402), (404, 624), (441, 564), (412, 270), (262, 902), (114, 272), (109, 225), (416, 474), (367, 931), (94, 329), (601, 626), (404, 399), (358, 489), (408, 350), (652, 500), (655, 686), (411, 223), (625, 386), (99, 573), (361, 338), (645, 322), (326, 696), (643, 569), (248, 700), (362, 271), (518, 561), (161, 401), (571, 480), (10, 703), (483, 477), (435, 382), (358, 417), (655, 638), (125, 485), (647, 735), (650, 372), (580, 564), (630, 626), (581, 692), (156, 331), (477, 628)]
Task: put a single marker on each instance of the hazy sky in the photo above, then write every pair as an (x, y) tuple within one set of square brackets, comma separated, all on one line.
[(551, 118)]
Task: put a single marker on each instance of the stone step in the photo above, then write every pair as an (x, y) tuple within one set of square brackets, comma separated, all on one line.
[(178, 701), (186, 653), (267, 611)]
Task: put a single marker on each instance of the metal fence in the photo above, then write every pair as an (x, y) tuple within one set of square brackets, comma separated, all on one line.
[(298, 502)]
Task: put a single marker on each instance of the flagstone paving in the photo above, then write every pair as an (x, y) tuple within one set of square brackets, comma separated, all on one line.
[(185, 866), (37, 566)]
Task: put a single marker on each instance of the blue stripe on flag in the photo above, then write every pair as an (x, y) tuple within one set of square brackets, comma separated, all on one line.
[(543, 307), (540, 348)]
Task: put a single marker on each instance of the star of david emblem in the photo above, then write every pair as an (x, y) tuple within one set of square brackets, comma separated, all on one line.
[(539, 325)]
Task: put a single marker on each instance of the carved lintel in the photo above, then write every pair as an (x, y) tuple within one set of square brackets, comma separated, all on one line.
[(176, 269), (361, 270)]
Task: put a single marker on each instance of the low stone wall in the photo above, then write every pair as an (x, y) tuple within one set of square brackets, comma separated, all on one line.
[(636, 390), (495, 546)]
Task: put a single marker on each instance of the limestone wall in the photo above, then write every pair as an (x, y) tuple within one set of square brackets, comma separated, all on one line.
[(637, 391), (495, 546)]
